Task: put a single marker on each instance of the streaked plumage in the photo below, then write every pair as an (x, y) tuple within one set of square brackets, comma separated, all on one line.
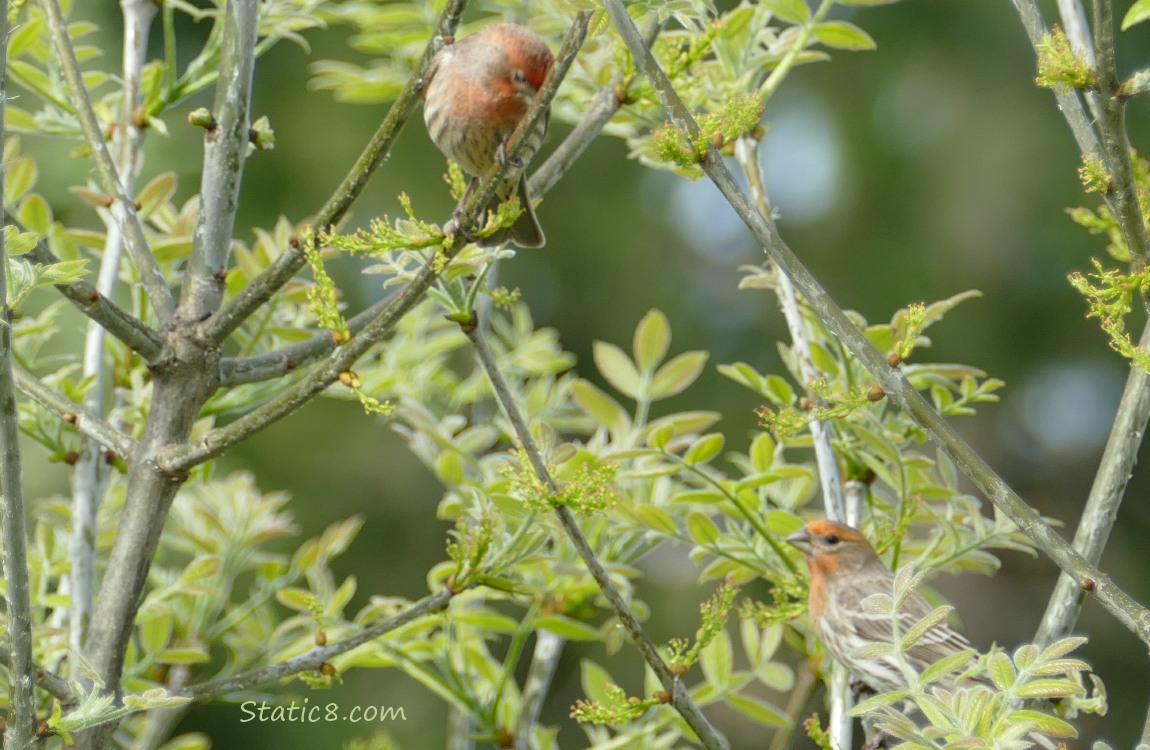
[(845, 570), (476, 92)]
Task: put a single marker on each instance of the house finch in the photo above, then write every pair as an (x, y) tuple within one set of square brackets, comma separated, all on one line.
[(477, 90), (844, 571)]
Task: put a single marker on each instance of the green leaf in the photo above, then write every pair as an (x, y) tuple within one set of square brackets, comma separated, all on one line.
[(946, 665), (600, 407), (878, 604), (1139, 12), (155, 630), (652, 338), (703, 530), (1048, 689), (572, 630), (704, 449), (1059, 666), (656, 519), (484, 619), (1043, 723), (595, 680), (183, 656), (758, 711), (843, 35), (1001, 671), (920, 628), (675, 376), (878, 701), (1061, 647), (617, 369), (791, 11), (717, 660), (873, 651), (867, 2), (762, 452)]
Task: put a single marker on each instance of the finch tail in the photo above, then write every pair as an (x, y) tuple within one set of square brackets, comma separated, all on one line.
[(525, 232)]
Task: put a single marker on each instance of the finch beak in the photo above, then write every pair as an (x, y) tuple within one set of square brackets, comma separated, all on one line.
[(802, 540)]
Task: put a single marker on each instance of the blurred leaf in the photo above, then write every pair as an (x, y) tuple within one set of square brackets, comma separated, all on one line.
[(1139, 12), (617, 369), (652, 338), (758, 711), (675, 376), (1043, 723), (572, 630), (843, 35)]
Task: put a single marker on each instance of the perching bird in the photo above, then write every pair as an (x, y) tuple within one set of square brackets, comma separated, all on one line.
[(476, 92), (845, 570)]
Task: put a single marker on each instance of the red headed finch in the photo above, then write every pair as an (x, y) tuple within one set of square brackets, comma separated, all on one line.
[(844, 571), (477, 90)]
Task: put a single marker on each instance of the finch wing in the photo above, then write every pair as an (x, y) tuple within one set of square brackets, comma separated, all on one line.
[(941, 640)]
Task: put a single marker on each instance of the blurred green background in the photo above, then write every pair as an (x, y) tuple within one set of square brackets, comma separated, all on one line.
[(929, 167)]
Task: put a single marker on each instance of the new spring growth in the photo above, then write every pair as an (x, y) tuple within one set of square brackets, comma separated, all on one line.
[(1058, 64), (714, 613), (616, 708), (588, 488), (736, 117)]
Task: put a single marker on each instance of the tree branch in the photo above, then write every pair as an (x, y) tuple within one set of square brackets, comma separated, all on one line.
[(52, 683), (180, 458), (680, 697), (123, 207), (260, 289), (87, 424), (548, 649), (225, 149), (90, 472), (893, 382), (1068, 102), (1112, 125), (315, 657), (22, 723)]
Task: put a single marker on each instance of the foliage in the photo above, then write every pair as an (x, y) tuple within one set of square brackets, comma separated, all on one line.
[(969, 708), (232, 588)]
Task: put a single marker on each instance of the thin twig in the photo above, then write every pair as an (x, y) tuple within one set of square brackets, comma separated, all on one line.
[(680, 697), (123, 207), (225, 151), (315, 657), (50, 682), (90, 472), (1068, 102), (838, 686), (548, 649), (1115, 143), (283, 268), (180, 458), (21, 730), (893, 382), (86, 424)]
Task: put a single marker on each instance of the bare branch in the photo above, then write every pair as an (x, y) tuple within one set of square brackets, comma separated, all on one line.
[(123, 207), (680, 697), (548, 649), (260, 289), (21, 729), (87, 424), (315, 657), (225, 150), (893, 382)]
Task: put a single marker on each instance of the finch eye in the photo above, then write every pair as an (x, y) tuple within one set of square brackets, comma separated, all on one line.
[(519, 76), (831, 539)]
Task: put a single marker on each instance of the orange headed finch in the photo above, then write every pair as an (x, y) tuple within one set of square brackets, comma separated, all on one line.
[(844, 571), (477, 91)]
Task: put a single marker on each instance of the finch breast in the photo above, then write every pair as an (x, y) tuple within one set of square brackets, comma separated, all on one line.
[(478, 90)]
